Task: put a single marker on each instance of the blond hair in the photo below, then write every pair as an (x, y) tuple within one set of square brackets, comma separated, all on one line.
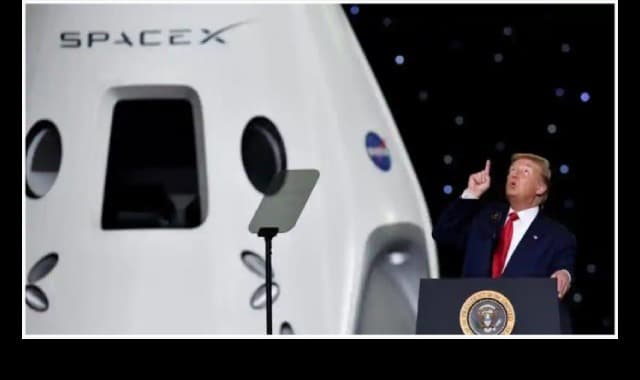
[(543, 164)]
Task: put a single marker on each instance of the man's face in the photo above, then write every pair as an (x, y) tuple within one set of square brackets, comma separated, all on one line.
[(524, 180)]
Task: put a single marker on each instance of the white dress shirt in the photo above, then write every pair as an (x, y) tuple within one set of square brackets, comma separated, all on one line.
[(520, 226)]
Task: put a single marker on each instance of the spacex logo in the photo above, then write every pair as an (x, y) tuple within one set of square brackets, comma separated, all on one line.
[(378, 151), (145, 37)]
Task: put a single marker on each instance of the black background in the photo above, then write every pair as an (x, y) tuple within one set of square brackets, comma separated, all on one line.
[(449, 70)]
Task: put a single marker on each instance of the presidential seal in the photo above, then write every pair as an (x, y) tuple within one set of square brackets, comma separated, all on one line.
[(487, 313)]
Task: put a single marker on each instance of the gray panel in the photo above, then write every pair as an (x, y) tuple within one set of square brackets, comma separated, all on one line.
[(396, 261), (282, 209)]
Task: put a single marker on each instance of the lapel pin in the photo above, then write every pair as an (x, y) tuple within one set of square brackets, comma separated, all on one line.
[(495, 216), (535, 237)]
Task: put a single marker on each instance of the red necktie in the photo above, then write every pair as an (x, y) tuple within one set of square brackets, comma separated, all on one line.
[(500, 253)]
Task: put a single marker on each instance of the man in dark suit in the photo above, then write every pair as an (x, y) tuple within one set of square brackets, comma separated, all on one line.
[(514, 239)]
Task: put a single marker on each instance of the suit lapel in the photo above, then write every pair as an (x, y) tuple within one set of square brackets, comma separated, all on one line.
[(497, 219), (489, 235), (530, 242)]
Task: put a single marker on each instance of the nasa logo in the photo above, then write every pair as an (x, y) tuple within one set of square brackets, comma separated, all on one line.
[(378, 151)]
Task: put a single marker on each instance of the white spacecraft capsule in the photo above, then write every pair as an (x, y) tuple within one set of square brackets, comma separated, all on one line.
[(152, 132)]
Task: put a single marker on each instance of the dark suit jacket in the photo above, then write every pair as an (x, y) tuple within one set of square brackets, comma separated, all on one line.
[(474, 228), (546, 247)]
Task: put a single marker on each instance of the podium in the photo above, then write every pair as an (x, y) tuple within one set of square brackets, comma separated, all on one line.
[(482, 306)]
